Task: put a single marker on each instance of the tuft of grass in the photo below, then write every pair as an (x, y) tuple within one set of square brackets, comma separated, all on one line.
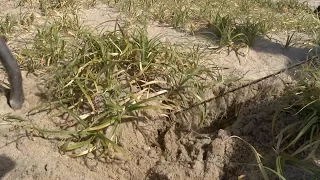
[(224, 29), (27, 19), (298, 142), (258, 158), (252, 29), (102, 80), (50, 45), (289, 40), (91, 3), (230, 32), (236, 34), (316, 38), (46, 5), (7, 25)]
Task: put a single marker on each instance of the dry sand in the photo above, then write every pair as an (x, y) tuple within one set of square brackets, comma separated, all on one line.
[(184, 153)]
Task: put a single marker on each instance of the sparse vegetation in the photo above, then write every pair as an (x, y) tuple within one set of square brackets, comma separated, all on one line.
[(243, 19), (298, 142), (103, 79), (112, 77), (7, 25)]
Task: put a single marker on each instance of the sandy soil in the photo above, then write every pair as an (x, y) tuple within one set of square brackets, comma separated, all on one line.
[(159, 149)]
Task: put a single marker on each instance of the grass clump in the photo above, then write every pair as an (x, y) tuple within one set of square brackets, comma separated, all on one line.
[(50, 42), (46, 5), (299, 141), (27, 19), (230, 32), (7, 25), (116, 77), (51, 39)]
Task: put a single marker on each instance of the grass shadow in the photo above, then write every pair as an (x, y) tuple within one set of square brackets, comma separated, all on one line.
[(261, 44), (6, 165), (294, 54)]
